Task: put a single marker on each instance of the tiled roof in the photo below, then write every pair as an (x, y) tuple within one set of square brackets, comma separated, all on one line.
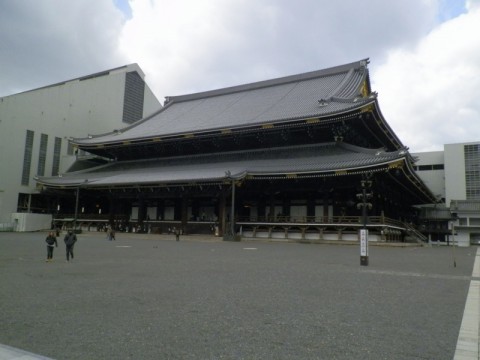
[(309, 95), (306, 159)]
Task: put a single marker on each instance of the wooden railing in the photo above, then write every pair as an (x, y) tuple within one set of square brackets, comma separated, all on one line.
[(387, 228), (280, 220), (321, 220), (89, 217)]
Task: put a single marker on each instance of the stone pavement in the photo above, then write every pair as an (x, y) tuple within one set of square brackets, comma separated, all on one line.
[(468, 347), (10, 353), (149, 297)]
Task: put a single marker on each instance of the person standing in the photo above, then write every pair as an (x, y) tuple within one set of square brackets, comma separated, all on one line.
[(70, 240), (110, 233), (51, 241), (177, 234)]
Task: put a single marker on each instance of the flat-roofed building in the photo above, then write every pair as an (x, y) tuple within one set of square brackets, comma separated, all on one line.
[(454, 176), (35, 127)]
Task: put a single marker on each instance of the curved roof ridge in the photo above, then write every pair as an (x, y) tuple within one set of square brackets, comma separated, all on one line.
[(350, 87), (340, 86)]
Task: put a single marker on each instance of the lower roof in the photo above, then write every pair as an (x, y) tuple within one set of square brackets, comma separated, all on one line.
[(219, 167)]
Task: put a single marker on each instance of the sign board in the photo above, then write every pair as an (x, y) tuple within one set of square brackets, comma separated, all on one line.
[(364, 247), (363, 242)]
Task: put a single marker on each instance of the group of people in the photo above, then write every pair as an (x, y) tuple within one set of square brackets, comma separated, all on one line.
[(70, 239)]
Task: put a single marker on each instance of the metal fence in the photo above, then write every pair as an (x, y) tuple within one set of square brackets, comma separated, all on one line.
[(7, 226)]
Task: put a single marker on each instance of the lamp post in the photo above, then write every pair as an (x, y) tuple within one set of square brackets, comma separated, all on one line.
[(364, 196), (76, 209), (232, 212), (454, 219), (230, 233)]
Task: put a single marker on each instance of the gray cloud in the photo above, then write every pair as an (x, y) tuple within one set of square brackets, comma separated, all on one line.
[(184, 46), (241, 41), (54, 40)]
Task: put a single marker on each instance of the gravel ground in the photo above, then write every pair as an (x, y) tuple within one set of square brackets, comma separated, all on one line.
[(150, 297)]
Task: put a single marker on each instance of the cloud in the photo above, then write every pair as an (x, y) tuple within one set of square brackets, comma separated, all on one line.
[(429, 95), (188, 46), (55, 40), (424, 53)]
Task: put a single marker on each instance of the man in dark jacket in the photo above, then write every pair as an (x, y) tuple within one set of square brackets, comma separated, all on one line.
[(51, 241), (70, 240)]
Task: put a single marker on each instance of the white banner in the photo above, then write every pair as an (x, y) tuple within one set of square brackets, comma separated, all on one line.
[(363, 242)]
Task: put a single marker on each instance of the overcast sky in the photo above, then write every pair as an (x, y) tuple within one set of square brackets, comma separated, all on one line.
[(424, 54)]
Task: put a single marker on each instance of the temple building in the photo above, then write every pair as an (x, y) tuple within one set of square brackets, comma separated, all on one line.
[(307, 157)]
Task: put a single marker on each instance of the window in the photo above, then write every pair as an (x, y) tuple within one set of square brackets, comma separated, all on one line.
[(429, 167), (42, 155), (472, 171), (27, 157), (425, 167), (56, 156)]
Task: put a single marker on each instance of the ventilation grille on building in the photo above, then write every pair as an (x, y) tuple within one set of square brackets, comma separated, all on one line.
[(56, 156), (42, 154), (472, 171), (133, 99), (27, 157)]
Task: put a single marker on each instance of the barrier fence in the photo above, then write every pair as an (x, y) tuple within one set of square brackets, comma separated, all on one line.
[(7, 226)]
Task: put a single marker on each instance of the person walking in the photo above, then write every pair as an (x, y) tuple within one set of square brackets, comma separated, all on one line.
[(70, 240), (51, 241), (110, 233)]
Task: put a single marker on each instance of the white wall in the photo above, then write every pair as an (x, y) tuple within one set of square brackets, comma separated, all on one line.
[(298, 211), (75, 108), (455, 184), (434, 179), (31, 222)]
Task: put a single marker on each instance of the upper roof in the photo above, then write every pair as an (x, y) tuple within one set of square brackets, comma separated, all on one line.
[(314, 94)]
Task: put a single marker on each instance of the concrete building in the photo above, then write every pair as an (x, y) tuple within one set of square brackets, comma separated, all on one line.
[(430, 167), (35, 127), (454, 176)]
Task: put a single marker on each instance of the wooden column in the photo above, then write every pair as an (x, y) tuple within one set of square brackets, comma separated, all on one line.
[(141, 209), (184, 217), (111, 213), (222, 213)]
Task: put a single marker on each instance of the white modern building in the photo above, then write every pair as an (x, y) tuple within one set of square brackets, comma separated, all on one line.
[(454, 176), (35, 127)]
